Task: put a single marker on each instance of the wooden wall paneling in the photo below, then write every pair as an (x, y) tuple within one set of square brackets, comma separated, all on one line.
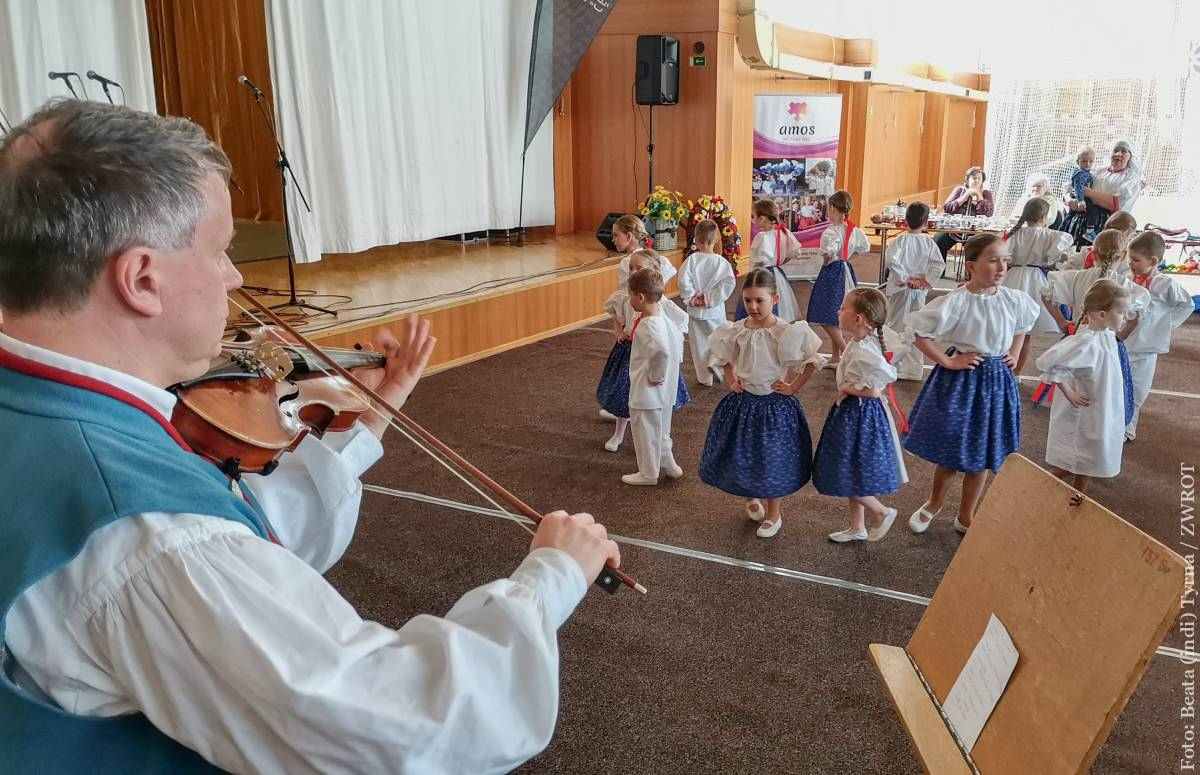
[(738, 85), (856, 117), (611, 132), (655, 17), (564, 166), (933, 141), (603, 127), (199, 48), (892, 154), (961, 127)]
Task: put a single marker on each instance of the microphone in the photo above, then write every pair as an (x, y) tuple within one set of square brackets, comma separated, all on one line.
[(66, 78), (105, 81), (244, 81)]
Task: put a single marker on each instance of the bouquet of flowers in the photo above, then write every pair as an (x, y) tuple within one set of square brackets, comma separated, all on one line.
[(715, 209), (664, 209)]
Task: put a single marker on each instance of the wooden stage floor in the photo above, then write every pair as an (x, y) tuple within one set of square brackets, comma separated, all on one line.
[(482, 298)]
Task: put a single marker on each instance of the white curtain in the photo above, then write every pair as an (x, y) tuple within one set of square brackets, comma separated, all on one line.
[(404, 119), (108, 36)]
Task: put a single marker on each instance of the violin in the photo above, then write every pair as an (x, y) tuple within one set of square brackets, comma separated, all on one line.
[(265, 394), (260, 398)]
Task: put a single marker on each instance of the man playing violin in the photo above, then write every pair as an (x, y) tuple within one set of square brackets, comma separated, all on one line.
[(157, 615)]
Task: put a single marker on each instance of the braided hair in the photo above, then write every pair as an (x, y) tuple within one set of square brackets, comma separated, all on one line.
[(872, 305)]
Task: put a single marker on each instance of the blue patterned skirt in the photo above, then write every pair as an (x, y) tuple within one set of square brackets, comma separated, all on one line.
[(856, 455), (967, 420), (613, 391), (828, 292), (757, 446), (1126, 380)]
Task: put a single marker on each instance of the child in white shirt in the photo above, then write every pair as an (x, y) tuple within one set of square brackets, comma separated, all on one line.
[(1168, 307), (654, 360), (706, 281), (914, 263)]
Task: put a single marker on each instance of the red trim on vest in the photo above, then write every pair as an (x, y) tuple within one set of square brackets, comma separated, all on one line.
[(846, 240), (63, 377), (49, 373)]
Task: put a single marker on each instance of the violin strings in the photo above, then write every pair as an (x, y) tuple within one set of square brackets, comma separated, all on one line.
[(393, 423)]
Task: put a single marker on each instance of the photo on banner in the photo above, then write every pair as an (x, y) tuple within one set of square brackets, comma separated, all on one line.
[(795, 158)]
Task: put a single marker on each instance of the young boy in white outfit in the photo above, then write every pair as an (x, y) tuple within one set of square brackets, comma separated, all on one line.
[(1169, 306), (654, 361), (706, 281)]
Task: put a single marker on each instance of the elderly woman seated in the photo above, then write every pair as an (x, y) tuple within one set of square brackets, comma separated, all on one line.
[(1038, 186)]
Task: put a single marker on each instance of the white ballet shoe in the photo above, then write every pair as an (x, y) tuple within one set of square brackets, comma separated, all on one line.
[(847, 536), (672, 471), (960, 527), (613, 444), (607, 415), (769, 529), (922, 518), (877, 533), (755, 510), (639, 480)]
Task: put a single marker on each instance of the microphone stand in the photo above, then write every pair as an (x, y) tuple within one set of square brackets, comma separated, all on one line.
[(285, 170)]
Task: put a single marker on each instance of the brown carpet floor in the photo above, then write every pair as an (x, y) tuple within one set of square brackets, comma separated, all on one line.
[(718, 669)]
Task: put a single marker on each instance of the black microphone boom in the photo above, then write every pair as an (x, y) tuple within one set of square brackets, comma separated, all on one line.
[(244, 81), (105, 83), (66, 78)]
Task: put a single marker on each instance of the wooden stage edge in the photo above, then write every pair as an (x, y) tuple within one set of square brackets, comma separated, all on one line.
[(475, 325)]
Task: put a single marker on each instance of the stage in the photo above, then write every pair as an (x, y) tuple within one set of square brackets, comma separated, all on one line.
[(482, 298)]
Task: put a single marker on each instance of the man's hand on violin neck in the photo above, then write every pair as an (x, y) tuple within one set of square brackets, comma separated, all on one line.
[(580, 536), (407, 352)]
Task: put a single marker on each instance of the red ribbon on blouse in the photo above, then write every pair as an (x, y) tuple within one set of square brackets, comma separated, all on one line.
[(1143, 280), (901, 419), (846, 240)]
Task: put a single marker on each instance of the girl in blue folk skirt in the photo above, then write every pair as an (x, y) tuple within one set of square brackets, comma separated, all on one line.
[(613, 391), (758, 445), (967, 417), (840, 242), (859, 456)]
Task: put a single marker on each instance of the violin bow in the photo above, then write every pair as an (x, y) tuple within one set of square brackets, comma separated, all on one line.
[(610, 579)]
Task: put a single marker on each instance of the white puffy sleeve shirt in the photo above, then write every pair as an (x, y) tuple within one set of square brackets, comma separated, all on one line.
[(1039, 246), (1167, 308), (761, 356), (763, 250), (863, 366), (239, 649), (983, 323), (912, 256), (665, 268), (1125, 185), (831, 241), (710, 275)]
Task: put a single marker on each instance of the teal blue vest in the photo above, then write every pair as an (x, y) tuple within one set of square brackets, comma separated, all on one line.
[(74, 461)]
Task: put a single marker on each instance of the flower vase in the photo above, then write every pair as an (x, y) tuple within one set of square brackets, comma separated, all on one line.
[(665, 234)]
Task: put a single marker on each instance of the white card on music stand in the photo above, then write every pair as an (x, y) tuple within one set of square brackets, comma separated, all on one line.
[(981, 683)]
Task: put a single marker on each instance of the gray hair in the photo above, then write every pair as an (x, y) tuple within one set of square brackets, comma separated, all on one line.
[(80, 182), (1121, 145)]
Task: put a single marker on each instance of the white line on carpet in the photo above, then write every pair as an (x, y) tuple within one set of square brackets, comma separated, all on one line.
[(1187, 657)]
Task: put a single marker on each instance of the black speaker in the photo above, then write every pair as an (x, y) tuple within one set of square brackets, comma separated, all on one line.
[(657, 72), (604, 233)]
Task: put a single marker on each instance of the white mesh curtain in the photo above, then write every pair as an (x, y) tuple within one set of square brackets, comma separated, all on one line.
[(1119, 73)]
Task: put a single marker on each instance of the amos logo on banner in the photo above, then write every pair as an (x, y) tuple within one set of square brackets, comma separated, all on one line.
[(790, 126), (798, 112)]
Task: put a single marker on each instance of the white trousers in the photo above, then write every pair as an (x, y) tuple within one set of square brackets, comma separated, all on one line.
[(699, 330), (652, 440), (1141, 366)]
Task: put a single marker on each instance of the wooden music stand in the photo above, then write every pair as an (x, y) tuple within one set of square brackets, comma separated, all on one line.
[(1086, 597)]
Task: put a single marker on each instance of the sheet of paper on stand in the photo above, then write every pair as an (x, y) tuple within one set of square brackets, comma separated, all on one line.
[(981, 683)]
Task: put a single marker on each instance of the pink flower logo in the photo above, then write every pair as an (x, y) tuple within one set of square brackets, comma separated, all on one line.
[(798, 110)]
